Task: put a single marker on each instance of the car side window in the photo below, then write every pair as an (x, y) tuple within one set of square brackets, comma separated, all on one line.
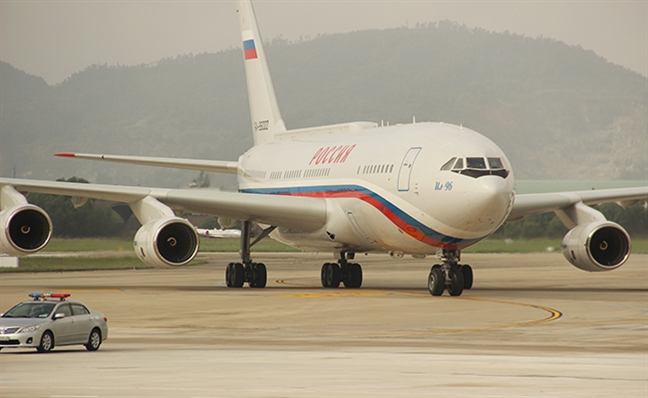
[(64, 309), (78, 309)]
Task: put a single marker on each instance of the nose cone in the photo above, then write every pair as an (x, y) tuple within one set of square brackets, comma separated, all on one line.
[(479, 209)]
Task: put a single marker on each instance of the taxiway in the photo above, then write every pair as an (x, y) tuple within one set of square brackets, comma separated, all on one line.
[(532, 326)]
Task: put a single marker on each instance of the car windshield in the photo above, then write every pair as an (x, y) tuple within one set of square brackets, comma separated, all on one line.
[(30, 310)]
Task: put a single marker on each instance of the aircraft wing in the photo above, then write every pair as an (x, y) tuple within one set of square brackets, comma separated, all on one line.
[(301, 213), (527, 204), (216, 166)]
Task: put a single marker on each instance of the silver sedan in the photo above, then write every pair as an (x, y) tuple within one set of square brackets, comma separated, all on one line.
[(50, 320)]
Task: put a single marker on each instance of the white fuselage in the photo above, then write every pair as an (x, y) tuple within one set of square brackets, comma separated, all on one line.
[(385, 187)]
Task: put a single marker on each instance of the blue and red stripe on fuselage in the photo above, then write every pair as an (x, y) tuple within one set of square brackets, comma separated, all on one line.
[(397, 216)]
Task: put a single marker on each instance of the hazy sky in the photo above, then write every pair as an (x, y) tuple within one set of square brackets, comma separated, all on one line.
[(54, 39)]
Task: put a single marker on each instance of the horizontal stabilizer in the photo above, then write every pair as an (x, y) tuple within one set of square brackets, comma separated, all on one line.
[(215, 166)]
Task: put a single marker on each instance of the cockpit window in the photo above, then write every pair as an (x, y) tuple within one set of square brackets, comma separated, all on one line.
[(448, 165), (477, 167), (495, 163), (475, 163)]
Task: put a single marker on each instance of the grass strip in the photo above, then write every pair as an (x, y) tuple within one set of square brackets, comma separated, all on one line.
[(107, 262)]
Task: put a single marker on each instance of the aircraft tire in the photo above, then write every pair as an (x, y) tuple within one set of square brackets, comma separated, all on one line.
[(456, 286), (436, 281), (467, 272), (228, 275), (259, 275), (353, 278), (331, 275), (237, 275)]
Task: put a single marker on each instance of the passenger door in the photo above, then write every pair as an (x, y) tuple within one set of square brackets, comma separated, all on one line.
[(405, 171)]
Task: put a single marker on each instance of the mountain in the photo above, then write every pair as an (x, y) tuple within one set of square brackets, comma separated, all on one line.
[(558, 111)]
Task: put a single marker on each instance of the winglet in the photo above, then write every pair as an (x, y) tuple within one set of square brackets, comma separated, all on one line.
[(264, 108)]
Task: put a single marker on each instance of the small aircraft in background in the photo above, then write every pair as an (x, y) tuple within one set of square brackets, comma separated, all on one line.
[(219, 233)]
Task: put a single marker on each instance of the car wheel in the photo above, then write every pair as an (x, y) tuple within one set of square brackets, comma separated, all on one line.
[(46, 343), (94, 341)]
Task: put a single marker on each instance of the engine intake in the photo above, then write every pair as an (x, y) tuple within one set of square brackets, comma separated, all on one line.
[(167, 242), (597, 246), (26, 229)]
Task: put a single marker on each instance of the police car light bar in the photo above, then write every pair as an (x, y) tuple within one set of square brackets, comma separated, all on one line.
[(45, 296), (36, 296)]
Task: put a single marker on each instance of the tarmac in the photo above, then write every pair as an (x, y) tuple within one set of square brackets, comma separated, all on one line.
[(532, 326)]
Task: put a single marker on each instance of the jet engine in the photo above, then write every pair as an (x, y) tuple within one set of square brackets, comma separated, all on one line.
[(597, 246), (167, 242), (26, 229)]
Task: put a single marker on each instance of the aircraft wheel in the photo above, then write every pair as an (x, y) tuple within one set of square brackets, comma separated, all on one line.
[(331, 275), (354, 276), (323, 275), (467, 272), (236, 276), (259, 275), (228, 275), (456, 286), (436, 281)]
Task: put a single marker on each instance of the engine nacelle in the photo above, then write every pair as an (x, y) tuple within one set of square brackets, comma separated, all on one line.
[(26, 229), (227, 223), (167, 242), (597, 246)]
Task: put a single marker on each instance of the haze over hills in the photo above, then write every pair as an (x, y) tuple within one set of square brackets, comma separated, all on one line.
[(558, 111)]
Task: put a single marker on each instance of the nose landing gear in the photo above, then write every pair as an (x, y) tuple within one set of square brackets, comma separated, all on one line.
[(450, 275)]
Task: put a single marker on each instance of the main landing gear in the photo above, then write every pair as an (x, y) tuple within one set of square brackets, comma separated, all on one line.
[(255, 274), (450, 275), (343, 271)]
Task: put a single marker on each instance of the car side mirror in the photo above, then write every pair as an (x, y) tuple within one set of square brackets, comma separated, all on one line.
[(60, 315)]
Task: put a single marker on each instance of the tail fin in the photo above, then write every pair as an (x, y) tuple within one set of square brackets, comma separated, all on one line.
[(264, 109)]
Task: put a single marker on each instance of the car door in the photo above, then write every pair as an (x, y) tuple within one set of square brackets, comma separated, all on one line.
[(62, 327), (82, 323)]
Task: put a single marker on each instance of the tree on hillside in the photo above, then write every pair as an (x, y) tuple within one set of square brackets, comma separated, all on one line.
[(548, 225), (89, 220)]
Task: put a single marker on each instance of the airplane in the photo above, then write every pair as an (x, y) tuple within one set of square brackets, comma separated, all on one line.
[(218, 233), (420, 189)]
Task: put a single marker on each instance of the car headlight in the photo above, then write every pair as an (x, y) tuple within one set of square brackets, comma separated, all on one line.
[(28, 329)]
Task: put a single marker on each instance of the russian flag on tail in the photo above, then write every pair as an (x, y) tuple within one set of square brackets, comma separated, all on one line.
[(249, 49)]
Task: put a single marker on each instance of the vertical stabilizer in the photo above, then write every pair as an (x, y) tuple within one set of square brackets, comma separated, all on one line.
[(264, 109)]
